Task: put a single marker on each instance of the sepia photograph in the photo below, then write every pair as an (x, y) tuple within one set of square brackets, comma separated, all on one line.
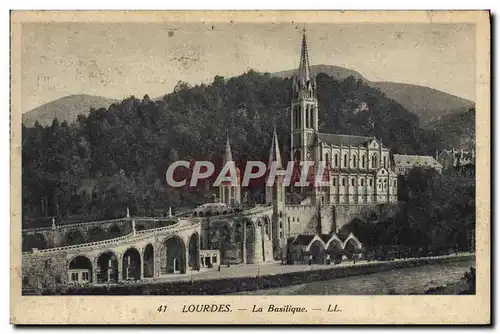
[(219, 156)]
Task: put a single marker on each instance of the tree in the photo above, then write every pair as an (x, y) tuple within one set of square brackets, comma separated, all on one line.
[(118, 156)]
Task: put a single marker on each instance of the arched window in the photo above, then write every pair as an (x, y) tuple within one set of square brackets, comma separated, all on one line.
[(345, 160), (374, 161), (307, 116), (354, 161), (385, 161), (309, 111), (327, 159), (336, 160), (363, 161), (299, 118)]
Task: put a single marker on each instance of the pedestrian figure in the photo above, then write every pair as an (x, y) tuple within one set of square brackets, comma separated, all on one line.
[(310, 259)]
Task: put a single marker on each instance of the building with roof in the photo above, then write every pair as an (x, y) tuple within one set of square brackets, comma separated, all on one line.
[(404, 163), (359, 168), (453, 158), (361, 183)]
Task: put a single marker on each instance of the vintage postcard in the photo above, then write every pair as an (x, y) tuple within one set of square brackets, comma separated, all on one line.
[(286, 167)]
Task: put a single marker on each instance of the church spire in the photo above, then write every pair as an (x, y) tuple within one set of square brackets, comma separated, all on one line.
[(227, 152), (275, 154), (304, 73)]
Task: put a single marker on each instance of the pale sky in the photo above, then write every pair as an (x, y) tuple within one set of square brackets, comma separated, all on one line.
[(119, 60)]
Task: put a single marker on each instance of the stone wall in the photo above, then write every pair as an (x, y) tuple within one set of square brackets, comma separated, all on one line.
[(301, 219), (328, 222), (44, 270), (88, 232), (344, 214)]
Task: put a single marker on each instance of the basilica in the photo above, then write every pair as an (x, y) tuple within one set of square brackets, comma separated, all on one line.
[(360, 183)]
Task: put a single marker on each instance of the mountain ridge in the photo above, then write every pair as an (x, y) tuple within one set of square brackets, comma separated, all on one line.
[(66, 108), (427, 103)]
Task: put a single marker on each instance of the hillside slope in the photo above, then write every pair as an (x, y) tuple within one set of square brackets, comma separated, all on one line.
[(65, 109), (457, 130), (427, 103)]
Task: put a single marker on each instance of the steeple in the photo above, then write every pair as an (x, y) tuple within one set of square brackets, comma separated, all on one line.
[(227, 152), (304, 85), (304, 72), (304, 109), (275, 154), (230, 193)]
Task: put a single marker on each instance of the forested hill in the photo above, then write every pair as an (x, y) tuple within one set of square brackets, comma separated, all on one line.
[(117, 157), (427, 103)]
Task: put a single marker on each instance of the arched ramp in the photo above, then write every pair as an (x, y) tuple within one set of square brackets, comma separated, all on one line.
[(80, 269), (107, 267), (131, 263), (75, 237), (173, 259), (194, 252), (96, 234), (149, 261), (31, 241)]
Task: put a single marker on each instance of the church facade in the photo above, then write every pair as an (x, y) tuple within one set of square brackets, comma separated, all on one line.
[(361, 183), (360, 169)]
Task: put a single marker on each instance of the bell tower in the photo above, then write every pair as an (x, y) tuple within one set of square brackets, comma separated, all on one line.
[(304, 109), (275, 196)]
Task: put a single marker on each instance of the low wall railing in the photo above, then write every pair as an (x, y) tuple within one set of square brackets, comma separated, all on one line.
[(63, 226), (117, 220), (131, 237)]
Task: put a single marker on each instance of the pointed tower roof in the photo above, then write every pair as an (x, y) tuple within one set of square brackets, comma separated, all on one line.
[(228, 156), (227, 152), (304, 72), (275, 154)]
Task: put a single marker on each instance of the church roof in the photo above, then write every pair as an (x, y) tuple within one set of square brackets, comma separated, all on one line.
[(228, 156), (213, 208), (402, 160), (275, 154), (325, 237), (304, 72), (344, 140)]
